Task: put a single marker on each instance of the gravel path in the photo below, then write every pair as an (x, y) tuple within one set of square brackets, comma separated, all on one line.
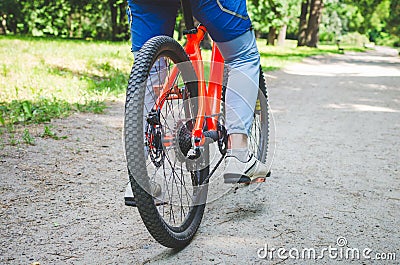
[(336, 174)]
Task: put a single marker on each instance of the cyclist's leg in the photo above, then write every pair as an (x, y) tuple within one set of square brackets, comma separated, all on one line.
[(229, 25), (243, 62), (242, 57), (147, 21)]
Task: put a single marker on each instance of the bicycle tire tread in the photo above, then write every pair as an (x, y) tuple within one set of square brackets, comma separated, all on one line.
[(134, 146)]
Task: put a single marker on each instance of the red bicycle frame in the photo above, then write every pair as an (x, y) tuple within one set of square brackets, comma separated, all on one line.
[(208, 97)]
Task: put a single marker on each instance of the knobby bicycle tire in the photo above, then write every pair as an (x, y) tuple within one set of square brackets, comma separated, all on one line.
[(166, 234), (265, 119)]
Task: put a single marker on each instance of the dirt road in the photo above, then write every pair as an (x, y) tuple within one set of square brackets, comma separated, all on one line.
[(336, 177)]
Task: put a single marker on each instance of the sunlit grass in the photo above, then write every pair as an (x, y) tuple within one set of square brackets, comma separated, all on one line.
[(41, 78), (74, 71)]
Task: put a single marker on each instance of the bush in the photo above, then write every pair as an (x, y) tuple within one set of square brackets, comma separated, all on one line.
[(386, 39), (354, 38), (327, 37)]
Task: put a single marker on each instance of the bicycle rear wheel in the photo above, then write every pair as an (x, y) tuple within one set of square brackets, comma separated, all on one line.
[(157, 138), (259, 137)]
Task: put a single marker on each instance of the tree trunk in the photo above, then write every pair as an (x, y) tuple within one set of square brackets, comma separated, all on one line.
[(282, 35), (114, 26), (3, 29), (271, 36), (69, 26), (123, 33), (180, 29), (301, 41), (118, 20), (313, 23)]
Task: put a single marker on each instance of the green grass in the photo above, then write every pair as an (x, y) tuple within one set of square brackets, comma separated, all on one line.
[(43, 110), (44, 78), (27, 137), (49, 133)]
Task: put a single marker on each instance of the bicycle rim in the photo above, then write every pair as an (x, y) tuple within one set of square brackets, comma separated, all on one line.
[(156, 141), (258, 140)]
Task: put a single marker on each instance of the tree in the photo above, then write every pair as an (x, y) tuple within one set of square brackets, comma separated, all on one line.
[(118, 19), (310, 19), (101, 19), (379, 19), (273, 17), (334, 20), (277, 20), (302, 38), (282, 35), (393, 24), (10, 14), (312, 32), (366, 9)]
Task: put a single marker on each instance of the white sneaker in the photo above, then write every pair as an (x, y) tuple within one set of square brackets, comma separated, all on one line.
[(248, 172)]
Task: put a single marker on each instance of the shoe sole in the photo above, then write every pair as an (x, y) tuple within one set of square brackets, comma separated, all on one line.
[(130, 201), (243, 179)]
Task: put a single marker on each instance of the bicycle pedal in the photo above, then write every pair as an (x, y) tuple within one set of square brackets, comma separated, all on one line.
[(130, 201)]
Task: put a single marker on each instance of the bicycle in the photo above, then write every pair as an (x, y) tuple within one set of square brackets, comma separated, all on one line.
[(174, 120)]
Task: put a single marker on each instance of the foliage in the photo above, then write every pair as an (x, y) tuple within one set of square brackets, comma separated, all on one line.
[(49, 133), (10, 12), (332, 26), (393, 23), (273, 13), (107, 20), (354, 38), (12, 140), (27, 137), (43, 110), (377, 18), (99, 19)]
